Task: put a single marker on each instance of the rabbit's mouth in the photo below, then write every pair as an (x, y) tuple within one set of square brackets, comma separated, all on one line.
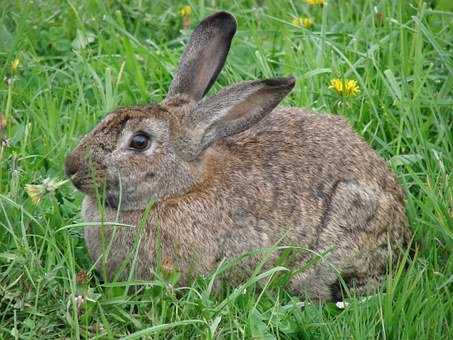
[(89, 185)]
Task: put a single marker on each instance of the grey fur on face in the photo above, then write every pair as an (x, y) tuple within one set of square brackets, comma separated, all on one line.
[(232, 173)]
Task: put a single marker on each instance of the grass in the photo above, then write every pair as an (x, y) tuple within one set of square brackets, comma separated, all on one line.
[(82, 59)]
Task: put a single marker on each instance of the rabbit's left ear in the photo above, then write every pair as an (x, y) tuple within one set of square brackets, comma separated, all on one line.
[(231, 111), (204, 56)]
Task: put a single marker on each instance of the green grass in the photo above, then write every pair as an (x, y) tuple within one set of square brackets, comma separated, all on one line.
[(82, 59)]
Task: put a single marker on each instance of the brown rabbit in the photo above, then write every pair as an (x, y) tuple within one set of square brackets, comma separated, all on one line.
[(232, 173)]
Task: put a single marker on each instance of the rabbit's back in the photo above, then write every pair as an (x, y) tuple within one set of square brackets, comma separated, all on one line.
[(319, 148), (293, 160)]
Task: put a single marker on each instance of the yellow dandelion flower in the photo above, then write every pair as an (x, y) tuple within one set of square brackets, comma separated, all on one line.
[(15, 63), (185, 11), (38, 191), (303, 22), (351, 88), (347, 88), (308, 23), (336, 85), (316, 2), (297, 22)]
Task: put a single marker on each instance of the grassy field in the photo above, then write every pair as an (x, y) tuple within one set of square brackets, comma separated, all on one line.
[(65, 64)]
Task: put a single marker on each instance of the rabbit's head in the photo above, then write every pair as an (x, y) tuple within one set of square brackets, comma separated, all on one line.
[(158, 151)]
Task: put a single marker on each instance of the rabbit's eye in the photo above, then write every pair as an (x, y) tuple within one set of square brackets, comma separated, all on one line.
[(140, 141)]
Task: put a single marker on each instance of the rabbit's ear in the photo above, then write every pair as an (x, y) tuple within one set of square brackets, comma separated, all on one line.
[(231, 111), (204, 56)]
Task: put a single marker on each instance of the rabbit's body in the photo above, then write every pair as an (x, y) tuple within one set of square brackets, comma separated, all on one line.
[(230, 174), (301, 178)]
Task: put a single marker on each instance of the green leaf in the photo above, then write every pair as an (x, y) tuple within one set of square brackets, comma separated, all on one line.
[(258, 329), (6, 39), (83, 39), (405, 159), (158, 328)]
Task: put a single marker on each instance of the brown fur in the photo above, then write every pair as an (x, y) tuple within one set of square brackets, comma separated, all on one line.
[(232, 174)]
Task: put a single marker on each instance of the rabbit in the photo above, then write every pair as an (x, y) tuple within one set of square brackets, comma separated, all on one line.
[(232, 173)]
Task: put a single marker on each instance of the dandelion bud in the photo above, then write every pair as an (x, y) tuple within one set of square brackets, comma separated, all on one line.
[(15, 63)]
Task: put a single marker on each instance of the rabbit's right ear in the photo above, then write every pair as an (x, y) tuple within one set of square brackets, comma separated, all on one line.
[(204, 56), (231, 111)]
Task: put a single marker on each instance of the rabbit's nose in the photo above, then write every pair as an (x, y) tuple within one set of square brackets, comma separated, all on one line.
[(71, 166)]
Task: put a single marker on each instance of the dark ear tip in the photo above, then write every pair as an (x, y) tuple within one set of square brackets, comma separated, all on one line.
[(288, 82), (222, 20), (225, 15)]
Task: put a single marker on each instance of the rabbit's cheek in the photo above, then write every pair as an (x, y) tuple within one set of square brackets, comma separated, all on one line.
[(131, 194)]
